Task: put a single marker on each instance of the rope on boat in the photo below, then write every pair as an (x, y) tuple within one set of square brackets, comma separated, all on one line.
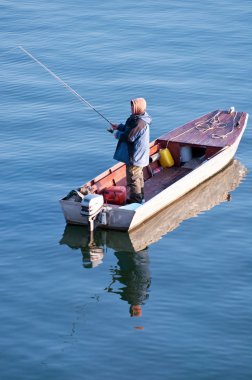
[(215, 123), (212, 123), (235, 124), (199, 125), (206, 125)]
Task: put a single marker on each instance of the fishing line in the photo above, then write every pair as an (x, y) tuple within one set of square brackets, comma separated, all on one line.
[(69, 88)]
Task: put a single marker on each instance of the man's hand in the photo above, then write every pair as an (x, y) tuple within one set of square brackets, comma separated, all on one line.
[(113, 128)]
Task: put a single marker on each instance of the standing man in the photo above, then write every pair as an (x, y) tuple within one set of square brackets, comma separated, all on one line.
[(133, 147)]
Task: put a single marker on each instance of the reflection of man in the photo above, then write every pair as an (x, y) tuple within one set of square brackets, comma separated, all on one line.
[(133, 273)]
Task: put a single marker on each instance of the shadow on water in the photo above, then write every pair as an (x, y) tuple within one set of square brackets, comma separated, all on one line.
[(131, 277)]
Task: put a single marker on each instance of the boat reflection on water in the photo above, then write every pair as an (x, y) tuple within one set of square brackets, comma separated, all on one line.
[(203, 198), (93, 248), (131, 277)]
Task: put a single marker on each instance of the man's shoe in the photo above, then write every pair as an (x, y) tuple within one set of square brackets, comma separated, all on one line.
[(129, 201)]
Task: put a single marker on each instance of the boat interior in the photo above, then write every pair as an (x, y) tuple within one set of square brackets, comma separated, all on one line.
[(156, 177), (189, 146)]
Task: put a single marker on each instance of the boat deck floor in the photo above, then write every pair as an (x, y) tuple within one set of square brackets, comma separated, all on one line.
[(162, 180)]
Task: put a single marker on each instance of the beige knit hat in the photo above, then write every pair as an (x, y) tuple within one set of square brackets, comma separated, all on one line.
[(138, 106)]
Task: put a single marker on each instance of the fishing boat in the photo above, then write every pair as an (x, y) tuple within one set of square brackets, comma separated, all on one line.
[(179, 161)]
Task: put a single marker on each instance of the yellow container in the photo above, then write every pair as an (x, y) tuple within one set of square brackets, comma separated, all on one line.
[(166, 159)]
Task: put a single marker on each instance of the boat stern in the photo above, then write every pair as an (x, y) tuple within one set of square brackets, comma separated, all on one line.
[(110, 217)]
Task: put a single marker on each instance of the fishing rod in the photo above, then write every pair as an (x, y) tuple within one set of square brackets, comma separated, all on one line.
[(69, 88)]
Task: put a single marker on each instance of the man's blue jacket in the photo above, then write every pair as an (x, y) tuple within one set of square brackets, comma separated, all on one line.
[(134, 138)]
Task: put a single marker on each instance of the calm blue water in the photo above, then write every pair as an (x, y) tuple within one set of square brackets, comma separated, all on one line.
[(61, 319)]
